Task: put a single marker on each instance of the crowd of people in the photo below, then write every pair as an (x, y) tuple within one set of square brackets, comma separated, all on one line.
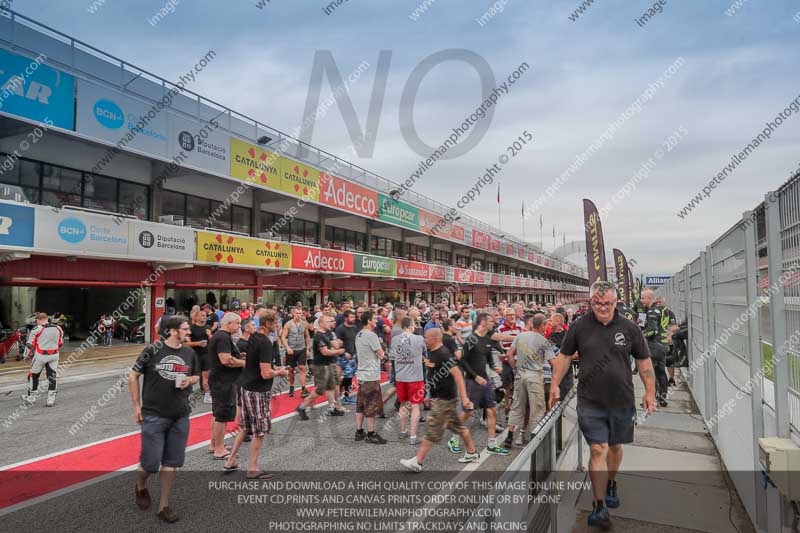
[(449, 367)]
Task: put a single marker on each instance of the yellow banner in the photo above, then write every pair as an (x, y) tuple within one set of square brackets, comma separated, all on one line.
[(299, 180), (255, 165), (228, 249)]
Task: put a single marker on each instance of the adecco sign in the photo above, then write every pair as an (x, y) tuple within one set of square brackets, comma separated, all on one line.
[(321, 260), (656, 281)]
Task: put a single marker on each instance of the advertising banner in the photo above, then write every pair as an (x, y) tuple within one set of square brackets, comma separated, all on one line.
[(223, 248), (621, 268), (397, 212), (595, 247), (33, 90), (412, 270), (255, 165), (342, 194), (199, 145), (463, 275), (321, 259), (495, 280), (299, 180), (437, 272), (428, 222), (16, 225), (656, 281), (458, 233), (161, 241), (480, 240), (494, 245), (480, 277), (76, 233), (113, 117), (375, 265)]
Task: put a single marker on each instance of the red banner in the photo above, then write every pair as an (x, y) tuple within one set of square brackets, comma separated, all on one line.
[(481, 240), (321, 259), (495, 279), (348, 196), (480, 277), (494, 245), (509, 249), (412, 270), (457, 232), (462, 275), (437, 272)]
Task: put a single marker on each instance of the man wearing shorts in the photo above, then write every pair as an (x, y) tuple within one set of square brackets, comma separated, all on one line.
[(198, 339), (169, 369), (477, 357), (255, 396), (606, 406), (226, 366), (409, 377), (370, 401), (326, 348), (295, 339), (445, 382)]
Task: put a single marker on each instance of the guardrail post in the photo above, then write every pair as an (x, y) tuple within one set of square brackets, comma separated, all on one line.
[(753, 334), (553, 461), (708, 333), (777, 311)]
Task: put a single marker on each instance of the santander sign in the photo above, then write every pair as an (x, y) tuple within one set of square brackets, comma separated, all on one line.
[(339, 193)]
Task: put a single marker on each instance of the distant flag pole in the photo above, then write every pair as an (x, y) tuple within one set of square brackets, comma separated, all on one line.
[(554, 237), (523, 220), (541, 224), (499, 222)]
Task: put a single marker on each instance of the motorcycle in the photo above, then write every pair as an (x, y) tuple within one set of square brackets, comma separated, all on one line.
[(132, 330)]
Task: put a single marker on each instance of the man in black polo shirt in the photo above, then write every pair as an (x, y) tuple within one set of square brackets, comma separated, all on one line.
[(606, 406), (326, 348)]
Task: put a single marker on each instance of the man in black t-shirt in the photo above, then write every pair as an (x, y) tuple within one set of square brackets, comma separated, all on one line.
[(347, 331), (606, 406), (325, 348), (226, 365), (445, 380), (255, 396), (199, 336), (169, 369)]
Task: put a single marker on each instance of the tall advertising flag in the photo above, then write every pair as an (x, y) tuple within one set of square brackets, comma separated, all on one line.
[(621, 266), (595, 247), (631, 295)]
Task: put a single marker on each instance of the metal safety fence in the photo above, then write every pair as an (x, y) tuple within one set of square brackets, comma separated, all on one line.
[(740, 300)]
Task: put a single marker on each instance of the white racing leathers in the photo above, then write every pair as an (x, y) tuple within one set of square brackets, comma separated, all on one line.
[(44, 344)]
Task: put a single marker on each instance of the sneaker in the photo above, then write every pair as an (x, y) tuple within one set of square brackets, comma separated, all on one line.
[(671, 382), (29, 398), (413, 441), (498, 428), (207, 398), (374, 438), (497, 450), (454, 445), (51, 398), (404, 434), (336, 412), (168, 515), (304, 392), (349, 400), (291, 392), (509, 440), (483, 422), (519, 438), (411, 464), (302, 414), (662, 403), (360, 435), (599, 517), (612, 500), (470, 457)]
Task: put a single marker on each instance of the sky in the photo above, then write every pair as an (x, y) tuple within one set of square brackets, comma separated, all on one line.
[(737, 70)]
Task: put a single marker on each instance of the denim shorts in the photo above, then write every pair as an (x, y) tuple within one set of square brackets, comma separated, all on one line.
[(603, 425), (163, 442)]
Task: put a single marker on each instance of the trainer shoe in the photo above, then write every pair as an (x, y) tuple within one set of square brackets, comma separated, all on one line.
[(509, 440), (291, 392), (29, 398), (404, 434), (454, 445), (497, 450), (374, 438), (671, 382), (411, 464), (599, 517), (142, 498), (168, 515), (612, 500), (51, 399), (304, 392), (336, 412), (470, 457), (302, 413), (360, 435), (207, 398), (413, 441)]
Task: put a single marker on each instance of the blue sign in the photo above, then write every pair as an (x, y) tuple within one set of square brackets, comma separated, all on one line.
[(109, 114), (30, 89), (653, 281), (16, 225), (71, 230)]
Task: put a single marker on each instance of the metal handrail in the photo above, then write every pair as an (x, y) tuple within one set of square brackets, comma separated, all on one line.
[(387, 184)]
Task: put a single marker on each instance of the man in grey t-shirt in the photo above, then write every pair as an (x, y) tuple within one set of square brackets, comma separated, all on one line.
[(370, 401), (527, 356), (410, 380)]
